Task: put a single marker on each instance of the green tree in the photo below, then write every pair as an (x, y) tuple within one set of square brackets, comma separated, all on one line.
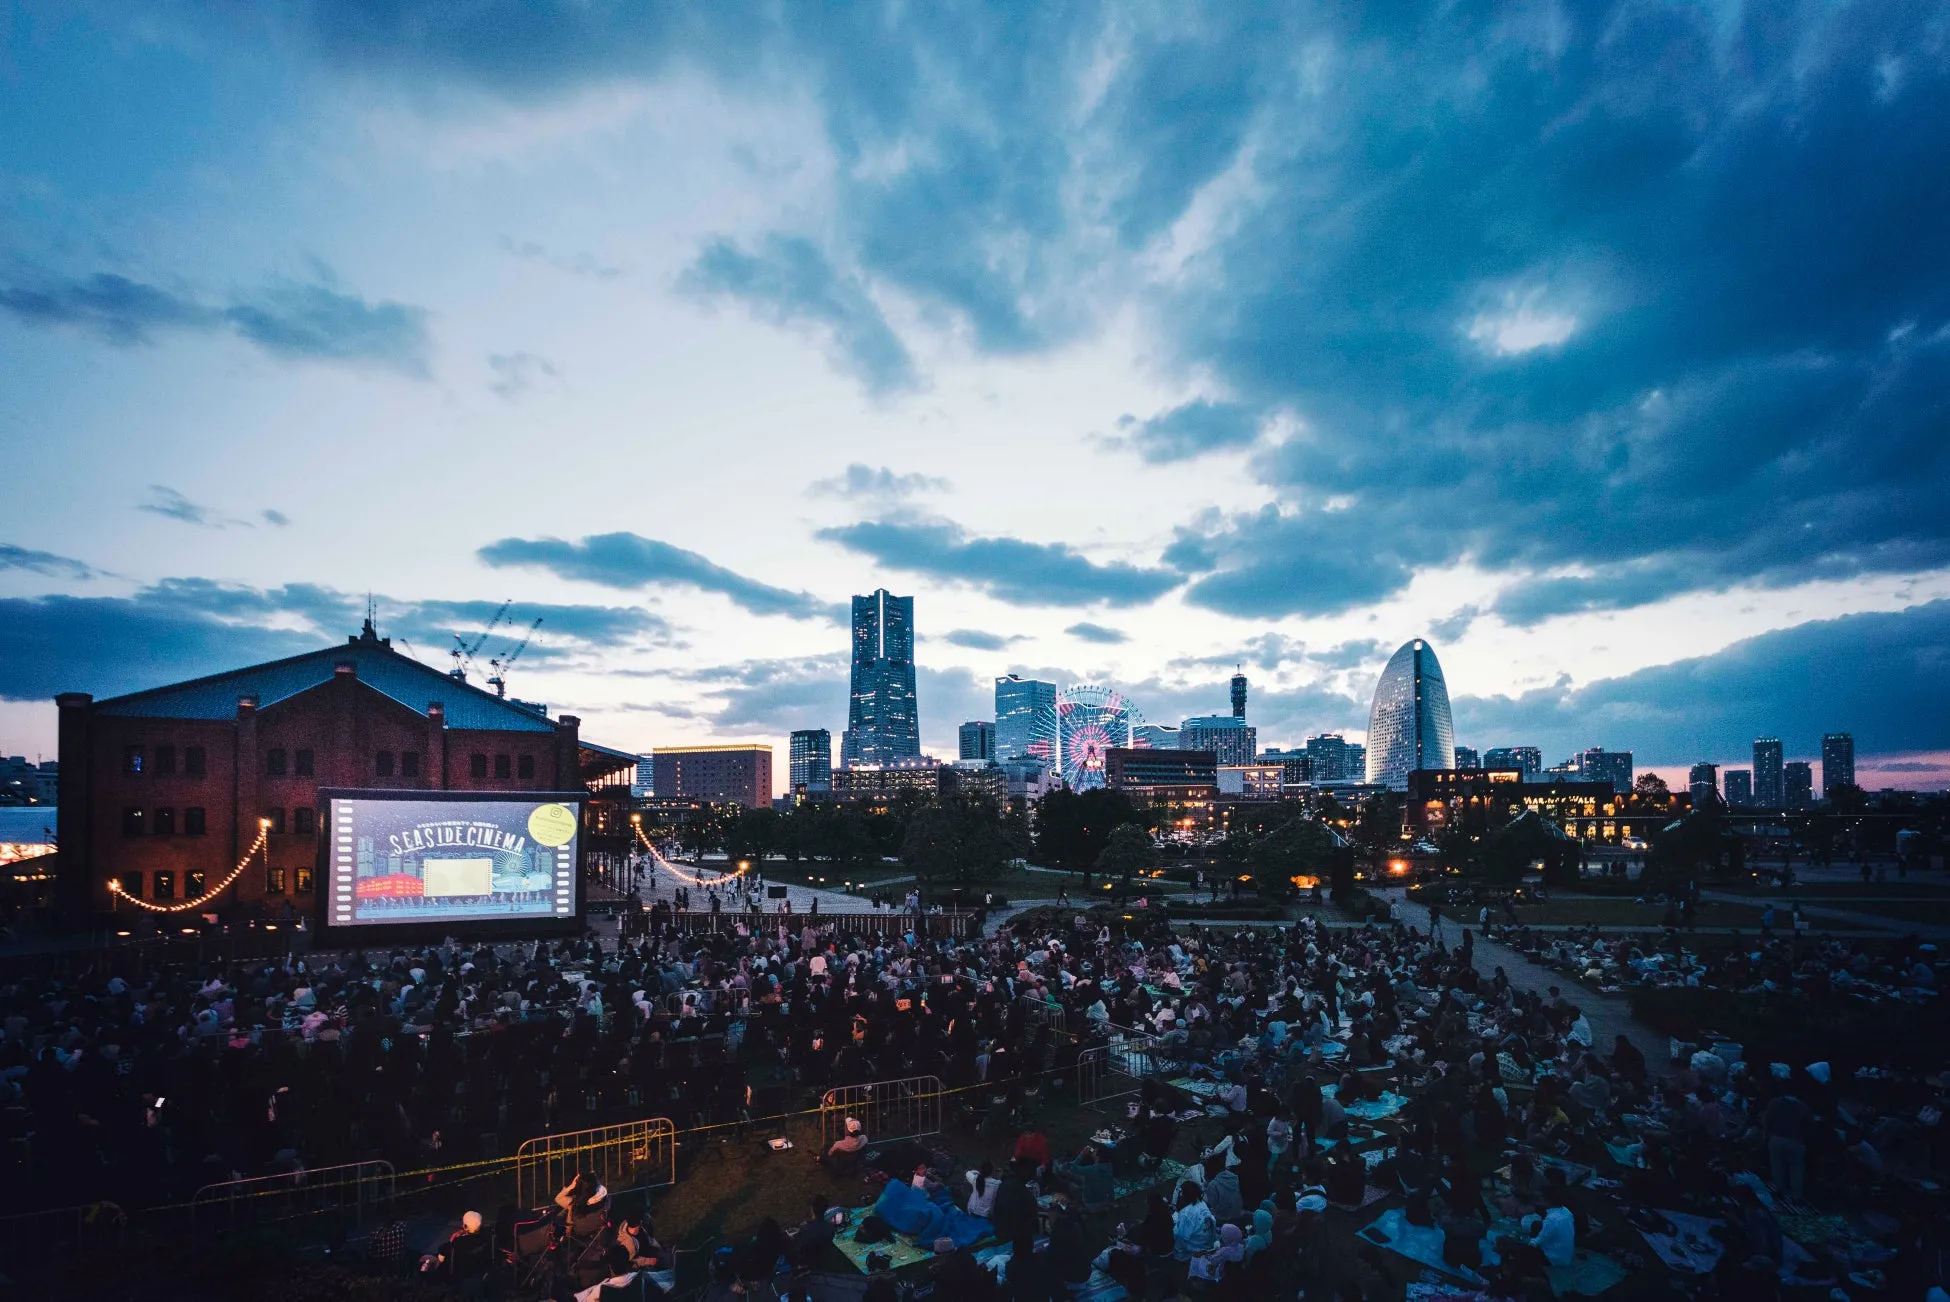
[(1016, 833), (1299, 847), (954, 845), (1072, 827), (1651, 787), (1508, 852), (1380, 825), (1128, 852)]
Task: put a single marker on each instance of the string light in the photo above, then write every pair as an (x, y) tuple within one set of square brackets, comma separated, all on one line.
[(263, 835), (682, 876)]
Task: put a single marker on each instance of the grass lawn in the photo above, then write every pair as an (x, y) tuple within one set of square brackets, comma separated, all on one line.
[(1842, 893), (1934, 912), (1604, 911)]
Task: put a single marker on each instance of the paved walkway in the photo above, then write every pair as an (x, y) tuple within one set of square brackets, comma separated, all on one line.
[(1611, 1015)]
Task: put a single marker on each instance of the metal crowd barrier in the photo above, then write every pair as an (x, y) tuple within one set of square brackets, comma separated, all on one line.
[(627, 1156), (941, 926), (886, 1109), (28, 1235), (1042, 1011), (352, 1189)]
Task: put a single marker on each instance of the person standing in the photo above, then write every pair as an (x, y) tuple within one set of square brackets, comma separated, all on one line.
[(1785, 1124)]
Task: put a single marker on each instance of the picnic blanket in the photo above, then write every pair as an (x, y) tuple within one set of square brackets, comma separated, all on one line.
[(1356, 1134), (1574, 1172), (1421, 1244), (1167, 1170), (1205, 1089), (901, 1250), (1375, 1109), (1588, 1273), (1686, 1244)]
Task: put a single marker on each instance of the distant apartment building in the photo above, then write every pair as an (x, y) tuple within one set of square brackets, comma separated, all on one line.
[(1798, 784), (809, 760), (1251, 781), (977, 740), (1837, 761), (1768, 791), (1528, 759), (715, 774), (1467, 758), (1739, 786), (1703, 783), (1227, 736), (1296, 766), (1156, 736), (1597, 764), (1333, 760)]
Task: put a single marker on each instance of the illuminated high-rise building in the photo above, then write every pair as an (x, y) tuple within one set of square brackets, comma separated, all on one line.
[(882, 719), (1768, 793), (810, 760), (1739, 787), (1703, 784), (1837, 762), (1025, 720), (977, 740), (1614, 766), (1797, 784), (1467, 758), (1528, 758), (1239, 696), (1409, 727)]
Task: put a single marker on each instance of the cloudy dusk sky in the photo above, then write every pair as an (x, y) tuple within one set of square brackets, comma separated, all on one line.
[(1606, 345)]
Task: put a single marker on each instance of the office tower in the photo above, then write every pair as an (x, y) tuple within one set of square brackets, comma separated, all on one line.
[(1467, 758), (882, 720), (1156, 736), (1837, 762), (1798, 784), (1357, 762), (645, 783), (1332, 759), (1614, 766), (1703, 783), (1225, 735), (1739, 786), (1239, 696), (1528, 758), (1025, 720), (1767, 773), (978, 740), (810, 760), (1409, 726)]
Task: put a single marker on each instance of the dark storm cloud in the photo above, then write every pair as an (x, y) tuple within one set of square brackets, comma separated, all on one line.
[(47, 563), (629, 561), (1009, 569), (1884, 677), (790, 281), (1648, 294), (1191, 430), (187, 628), (1098, 633), (302, 321)]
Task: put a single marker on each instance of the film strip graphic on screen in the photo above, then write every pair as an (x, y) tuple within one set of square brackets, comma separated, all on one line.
[(414, 860)]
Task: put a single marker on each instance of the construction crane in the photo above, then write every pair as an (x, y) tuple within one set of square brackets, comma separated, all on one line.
[(464, 654), (507, 660)]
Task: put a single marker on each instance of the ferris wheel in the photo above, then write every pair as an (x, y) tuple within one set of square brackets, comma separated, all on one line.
[(1090, 721)]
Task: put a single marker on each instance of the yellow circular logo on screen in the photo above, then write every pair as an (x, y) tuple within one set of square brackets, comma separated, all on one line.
[(552, 825)]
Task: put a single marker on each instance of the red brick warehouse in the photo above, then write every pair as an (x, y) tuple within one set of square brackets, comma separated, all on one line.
[(163, 790)]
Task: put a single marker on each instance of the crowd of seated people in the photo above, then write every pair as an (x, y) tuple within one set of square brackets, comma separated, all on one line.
[(143, 1087)]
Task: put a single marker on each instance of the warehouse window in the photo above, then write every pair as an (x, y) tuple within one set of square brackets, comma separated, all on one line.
[(193, 761), (501, 767), (527, 766), (165, 822), (193, 821), (132, 822), (166, 760), (131, 759), (382, 764), (274, 762), (303, 765), (409, 763), (303, 820), (477, 765)]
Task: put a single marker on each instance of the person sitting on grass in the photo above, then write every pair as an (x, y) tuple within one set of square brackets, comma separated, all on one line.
[(845, 1156)]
